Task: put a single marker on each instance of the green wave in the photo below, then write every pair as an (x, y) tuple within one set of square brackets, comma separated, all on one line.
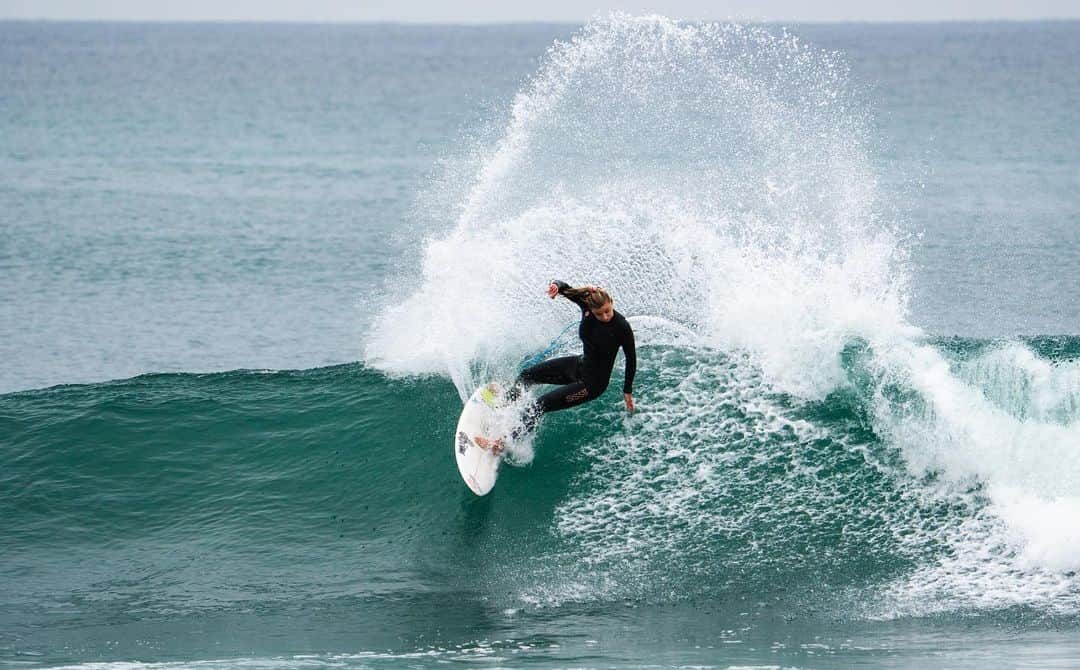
[(341, 482)]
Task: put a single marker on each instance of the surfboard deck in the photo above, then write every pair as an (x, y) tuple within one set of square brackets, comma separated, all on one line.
[(481, 416)]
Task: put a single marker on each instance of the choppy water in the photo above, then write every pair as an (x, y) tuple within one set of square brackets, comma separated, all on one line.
[(846, 251)]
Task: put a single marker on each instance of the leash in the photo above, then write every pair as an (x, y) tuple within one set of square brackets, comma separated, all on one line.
[(548, 350)]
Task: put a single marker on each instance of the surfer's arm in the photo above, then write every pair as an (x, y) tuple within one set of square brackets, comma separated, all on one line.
[(561, 286), (630, 352)]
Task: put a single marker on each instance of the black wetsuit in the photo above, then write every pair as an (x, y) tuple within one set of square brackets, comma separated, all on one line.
[(583, 377)]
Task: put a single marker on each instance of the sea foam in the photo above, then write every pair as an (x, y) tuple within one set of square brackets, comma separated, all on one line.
[(720, 179)]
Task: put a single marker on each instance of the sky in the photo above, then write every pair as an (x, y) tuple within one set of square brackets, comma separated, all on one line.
[(491, 11)]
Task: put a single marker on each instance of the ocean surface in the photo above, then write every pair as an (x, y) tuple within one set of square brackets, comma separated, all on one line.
[(248, 273)]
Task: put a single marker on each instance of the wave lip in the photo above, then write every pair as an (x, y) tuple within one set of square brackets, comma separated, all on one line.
[(717, 176)]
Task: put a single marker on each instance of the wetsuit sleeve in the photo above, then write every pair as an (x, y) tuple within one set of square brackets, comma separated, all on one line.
[(562, 287), (630, 352)]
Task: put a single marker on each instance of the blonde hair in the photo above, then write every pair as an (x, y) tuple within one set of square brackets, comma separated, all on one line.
[(593, 297)]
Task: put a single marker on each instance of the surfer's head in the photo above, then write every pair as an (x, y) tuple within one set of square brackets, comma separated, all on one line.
[(599, 303), (604, 312), (597, 300)]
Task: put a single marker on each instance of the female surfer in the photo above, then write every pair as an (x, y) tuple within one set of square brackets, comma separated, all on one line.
[(582, 378)]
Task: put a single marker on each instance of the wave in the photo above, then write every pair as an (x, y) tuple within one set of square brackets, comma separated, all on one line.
[(721, 485), (721, 178)]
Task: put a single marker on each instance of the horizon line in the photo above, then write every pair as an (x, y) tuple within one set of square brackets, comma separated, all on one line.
[(522, 22)]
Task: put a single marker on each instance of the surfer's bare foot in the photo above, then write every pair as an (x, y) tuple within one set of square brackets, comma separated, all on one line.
[(496, 446)]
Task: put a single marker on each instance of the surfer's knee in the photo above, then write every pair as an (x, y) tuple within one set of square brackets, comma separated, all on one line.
[(595, 390)]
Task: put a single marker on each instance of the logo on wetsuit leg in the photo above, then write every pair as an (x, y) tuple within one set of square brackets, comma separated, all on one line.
[(462, 442)]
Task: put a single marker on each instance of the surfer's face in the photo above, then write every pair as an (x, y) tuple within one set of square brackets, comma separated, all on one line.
[(604, 314)]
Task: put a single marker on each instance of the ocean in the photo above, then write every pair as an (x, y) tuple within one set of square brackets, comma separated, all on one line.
[(250, 272)]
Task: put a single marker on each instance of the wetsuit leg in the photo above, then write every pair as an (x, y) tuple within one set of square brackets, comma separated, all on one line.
[(563, 370), (564, 397)]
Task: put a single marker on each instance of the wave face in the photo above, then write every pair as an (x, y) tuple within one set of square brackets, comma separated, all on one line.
[(719, 181), (944, 490)]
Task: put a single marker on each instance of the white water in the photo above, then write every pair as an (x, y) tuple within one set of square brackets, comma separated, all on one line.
[(719, 177)]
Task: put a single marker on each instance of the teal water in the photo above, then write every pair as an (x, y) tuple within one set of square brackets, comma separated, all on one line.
[(306, 519), (847, 252)]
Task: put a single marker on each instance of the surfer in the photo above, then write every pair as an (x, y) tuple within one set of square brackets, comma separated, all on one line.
[(581, 378)]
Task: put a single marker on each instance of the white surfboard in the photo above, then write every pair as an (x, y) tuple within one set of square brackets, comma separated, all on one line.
[(480, 417)]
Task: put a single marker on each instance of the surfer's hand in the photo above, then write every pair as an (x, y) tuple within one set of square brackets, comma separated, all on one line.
[(553, 290), (629, 402)]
